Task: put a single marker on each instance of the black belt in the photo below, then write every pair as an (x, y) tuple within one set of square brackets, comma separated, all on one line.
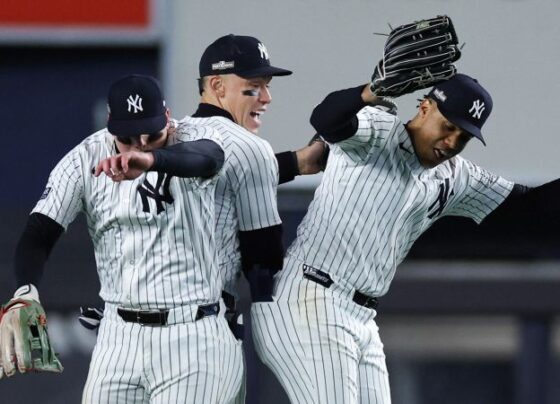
[(324, 279), (159, 317)]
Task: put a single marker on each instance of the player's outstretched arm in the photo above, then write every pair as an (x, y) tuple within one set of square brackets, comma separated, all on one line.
[(543, 202), (24, 340), (200, 158), (125, 166)]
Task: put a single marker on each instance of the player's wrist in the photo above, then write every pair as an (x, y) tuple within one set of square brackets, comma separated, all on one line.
[(367, 94), (150, 160)]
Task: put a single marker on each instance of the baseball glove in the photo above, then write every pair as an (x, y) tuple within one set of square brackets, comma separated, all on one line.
[(416, 56), (24, 341)]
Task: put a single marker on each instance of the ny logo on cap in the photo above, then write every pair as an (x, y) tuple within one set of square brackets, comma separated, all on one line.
[(134, 103), (263, 51), (477, 109)]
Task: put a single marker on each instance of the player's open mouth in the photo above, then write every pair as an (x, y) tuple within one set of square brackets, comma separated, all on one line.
[(440, 154), (257, 114)]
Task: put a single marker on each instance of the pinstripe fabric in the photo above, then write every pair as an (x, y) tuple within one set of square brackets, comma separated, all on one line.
[(141, 256), (322, 347), (192, 362), (245, 192), (374, 201), (245, 196), (154, 246)]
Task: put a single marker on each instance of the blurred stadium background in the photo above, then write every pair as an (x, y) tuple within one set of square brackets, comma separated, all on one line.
[(472, 316)]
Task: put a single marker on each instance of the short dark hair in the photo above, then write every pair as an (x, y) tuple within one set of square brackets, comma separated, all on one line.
[(201, 83)]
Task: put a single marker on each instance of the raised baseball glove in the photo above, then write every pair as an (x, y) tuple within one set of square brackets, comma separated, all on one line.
[(416, 56), (24, 341)]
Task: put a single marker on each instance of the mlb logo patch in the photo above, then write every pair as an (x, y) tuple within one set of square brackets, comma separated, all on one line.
[(46, 193)]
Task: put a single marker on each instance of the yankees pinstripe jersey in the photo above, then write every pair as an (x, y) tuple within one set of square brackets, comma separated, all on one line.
[(245, 192), (375, 200), (153, 237)]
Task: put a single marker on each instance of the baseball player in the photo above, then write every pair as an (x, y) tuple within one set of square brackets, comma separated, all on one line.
[(235, 73), (248, 225), (386, 182), (148, 196)]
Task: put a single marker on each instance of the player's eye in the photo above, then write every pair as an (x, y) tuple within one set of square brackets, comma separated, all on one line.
[(449, 127), (128, 140)]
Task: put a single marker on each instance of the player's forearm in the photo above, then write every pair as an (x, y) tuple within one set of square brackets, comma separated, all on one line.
[(201, 158), (34, 247), (335, 118), (262, 255)]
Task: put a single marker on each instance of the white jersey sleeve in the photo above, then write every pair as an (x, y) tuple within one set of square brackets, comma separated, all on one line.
[(254, 178), (374, 126), (477, 192), (62, 199)]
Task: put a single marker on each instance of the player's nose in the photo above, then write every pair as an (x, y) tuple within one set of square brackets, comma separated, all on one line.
[(144, 140), (452, 141), (264, 95)]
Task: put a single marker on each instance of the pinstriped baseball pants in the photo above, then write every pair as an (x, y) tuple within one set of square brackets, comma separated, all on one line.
[(191, 362), (322, 347)]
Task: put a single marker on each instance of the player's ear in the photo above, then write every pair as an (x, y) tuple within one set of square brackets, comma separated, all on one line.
[(424, 106), (216, 83)]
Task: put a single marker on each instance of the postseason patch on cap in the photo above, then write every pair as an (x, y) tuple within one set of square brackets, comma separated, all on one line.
[(440, 95), (222, 65)]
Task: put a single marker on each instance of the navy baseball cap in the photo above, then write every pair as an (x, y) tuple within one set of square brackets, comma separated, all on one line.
[(464, 102), (136, 106), (243, 55)]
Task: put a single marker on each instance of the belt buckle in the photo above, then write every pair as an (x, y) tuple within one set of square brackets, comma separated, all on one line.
[(205, 310)]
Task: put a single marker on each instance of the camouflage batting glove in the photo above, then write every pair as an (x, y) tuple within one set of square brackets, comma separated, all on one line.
[(24, 341)]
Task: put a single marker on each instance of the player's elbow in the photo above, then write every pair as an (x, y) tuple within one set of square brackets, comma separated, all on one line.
[(212, 160)]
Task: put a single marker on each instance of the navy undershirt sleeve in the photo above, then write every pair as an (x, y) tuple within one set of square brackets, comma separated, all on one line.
[(287, 166), (335, 117), (262, 255), (200, 158), (34, 247), (542, 203)]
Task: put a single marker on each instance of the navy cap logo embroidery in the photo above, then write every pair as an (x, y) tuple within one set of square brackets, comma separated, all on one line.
[(134, 103), (477, 109), (263, 51)]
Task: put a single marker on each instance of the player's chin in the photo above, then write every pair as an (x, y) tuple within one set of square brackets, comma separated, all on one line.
[(430, 162), (253, 125)]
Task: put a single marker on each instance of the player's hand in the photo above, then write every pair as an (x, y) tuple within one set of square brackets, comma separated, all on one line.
[(125, 166), (24, 341), (312, 158)]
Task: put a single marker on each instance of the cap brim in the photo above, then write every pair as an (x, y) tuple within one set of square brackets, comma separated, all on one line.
[(264, 71), (136, 127)]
